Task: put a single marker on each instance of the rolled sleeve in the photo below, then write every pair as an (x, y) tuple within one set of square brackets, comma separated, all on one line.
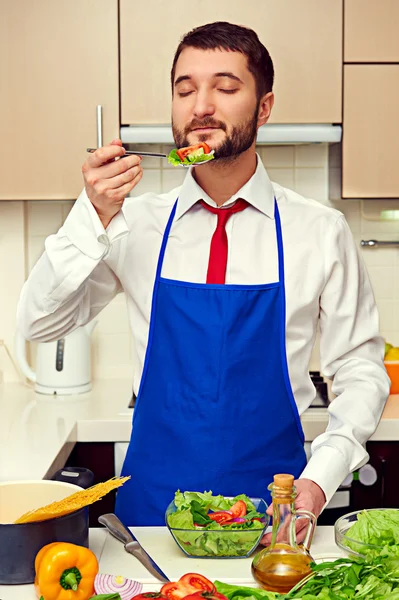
[(352, 356), (85, 231)]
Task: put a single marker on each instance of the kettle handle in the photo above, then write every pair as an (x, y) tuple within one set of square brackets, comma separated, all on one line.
[(20, 355)]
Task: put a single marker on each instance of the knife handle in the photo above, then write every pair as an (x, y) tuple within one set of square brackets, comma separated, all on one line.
[(116, 527)]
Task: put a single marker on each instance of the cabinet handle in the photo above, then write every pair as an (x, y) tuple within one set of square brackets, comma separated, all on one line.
[(375, 243), (99, 126)]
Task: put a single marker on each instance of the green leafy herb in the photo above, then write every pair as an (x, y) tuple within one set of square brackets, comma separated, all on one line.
[(235, 592), (200, 513), (371, 578)]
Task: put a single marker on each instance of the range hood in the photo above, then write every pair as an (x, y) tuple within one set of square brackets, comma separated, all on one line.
[(271, 134)]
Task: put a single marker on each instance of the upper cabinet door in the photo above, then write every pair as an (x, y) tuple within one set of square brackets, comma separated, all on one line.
[(59, 60), (304, 40), (371, 31), (370, 146)]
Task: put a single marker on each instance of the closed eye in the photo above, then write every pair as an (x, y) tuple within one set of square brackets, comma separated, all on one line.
[(228, 91), (184, 94)]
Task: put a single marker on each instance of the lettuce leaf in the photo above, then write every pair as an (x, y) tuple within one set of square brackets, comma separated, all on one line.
[(235, 592), (376, 527)]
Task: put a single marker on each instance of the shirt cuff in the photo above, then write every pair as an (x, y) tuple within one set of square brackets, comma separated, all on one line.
[(84, 229), (328, 468)]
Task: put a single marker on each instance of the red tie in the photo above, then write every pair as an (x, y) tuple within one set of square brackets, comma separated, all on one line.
[(219, 245)]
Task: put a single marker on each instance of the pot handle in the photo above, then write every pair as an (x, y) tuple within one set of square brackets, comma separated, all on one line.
[(20, 355)]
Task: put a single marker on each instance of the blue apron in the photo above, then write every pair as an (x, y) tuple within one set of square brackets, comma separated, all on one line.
[(215, 409)]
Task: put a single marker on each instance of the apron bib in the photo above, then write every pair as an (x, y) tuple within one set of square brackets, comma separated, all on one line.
[(215, 409)]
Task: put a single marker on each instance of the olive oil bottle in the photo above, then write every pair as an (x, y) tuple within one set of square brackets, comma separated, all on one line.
[(279, 567)]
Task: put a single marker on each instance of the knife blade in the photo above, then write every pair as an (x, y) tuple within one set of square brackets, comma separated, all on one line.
[(122, 533)]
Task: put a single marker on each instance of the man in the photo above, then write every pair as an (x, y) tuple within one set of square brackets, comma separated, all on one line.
[(226, 280)]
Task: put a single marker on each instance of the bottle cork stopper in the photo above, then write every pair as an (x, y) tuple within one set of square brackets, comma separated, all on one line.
[(284, 480)]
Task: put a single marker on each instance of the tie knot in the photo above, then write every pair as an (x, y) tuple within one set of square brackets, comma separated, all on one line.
[(224, 213)]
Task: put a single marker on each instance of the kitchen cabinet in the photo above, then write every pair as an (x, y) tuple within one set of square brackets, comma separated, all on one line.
[(371, 31), (304, 40), (59, 61), (370, 146)]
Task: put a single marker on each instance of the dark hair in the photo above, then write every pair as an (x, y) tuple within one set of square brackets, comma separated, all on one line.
[(227, 36)]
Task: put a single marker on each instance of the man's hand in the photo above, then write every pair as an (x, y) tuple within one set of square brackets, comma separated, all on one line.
[(309, 497), (109, 181)]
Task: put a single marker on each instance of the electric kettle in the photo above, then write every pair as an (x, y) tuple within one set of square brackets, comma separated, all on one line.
[(62, 367)]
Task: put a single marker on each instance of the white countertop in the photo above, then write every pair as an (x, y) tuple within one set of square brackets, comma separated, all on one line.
[(37, 432), (161, 547)]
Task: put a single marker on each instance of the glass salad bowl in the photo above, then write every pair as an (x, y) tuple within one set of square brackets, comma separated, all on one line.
[(377, 529), (219, 543)]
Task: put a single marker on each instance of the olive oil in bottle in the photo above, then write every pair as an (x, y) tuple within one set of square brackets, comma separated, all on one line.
[(284, 563)]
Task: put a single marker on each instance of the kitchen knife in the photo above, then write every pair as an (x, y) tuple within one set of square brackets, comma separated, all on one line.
[(122, 533)]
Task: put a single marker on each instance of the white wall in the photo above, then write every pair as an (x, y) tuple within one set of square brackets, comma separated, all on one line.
[(312, 170)]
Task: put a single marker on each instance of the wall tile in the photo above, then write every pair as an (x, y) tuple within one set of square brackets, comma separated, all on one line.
[(113, 318), (66, 208), (351, 210), (111, 354), (335, 156), (386, 309), (44, 217), (382, 280), (312, 183), (392, 337), (148, 162), (284, 177), (172, 179), (311, 155), (277, 156), (150, 182), (334, 184), (377, 228), (35, 249)]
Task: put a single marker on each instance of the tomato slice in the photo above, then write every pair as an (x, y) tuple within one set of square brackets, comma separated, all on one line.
[(206, 596), (197, 582), (188, 584), (183, 152), (221, 516), (173, 591), (239, 509)]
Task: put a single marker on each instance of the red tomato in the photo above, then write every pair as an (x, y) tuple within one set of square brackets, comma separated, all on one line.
[(172, 591), (149, 596), (198, 582), (221, 516), (239, 509), (188, 584), (182, 152), (206, 596)]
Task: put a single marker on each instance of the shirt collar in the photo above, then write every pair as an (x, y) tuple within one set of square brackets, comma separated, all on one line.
[(258, 192)]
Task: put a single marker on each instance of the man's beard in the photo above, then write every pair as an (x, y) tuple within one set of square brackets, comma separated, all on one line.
[(238, 141)]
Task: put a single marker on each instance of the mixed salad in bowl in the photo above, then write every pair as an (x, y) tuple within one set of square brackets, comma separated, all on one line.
[(216, 526)]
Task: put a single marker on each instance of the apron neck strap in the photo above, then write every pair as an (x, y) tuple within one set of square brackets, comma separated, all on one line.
[(279, 236)]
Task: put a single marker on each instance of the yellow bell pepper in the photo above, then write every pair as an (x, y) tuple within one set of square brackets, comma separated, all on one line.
[(65, 571)]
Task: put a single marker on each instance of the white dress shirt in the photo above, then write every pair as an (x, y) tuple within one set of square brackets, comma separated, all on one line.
[(85, 266)]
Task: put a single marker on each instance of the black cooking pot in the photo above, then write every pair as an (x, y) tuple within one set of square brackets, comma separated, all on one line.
[(20, 542)]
